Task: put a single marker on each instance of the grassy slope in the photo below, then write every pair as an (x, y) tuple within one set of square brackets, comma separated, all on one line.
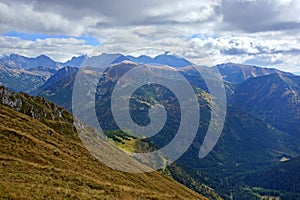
[(36, 165)]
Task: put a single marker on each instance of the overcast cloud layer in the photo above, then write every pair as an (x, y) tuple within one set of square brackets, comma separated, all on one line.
[(262, 32)]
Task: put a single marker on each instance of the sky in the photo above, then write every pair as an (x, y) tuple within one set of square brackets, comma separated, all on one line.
[(257, 32)]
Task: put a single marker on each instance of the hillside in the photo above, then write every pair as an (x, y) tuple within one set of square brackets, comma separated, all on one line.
[(273, 98), (42, 157)]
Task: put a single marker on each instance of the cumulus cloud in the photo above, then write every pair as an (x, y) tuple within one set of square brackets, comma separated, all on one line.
[(101, 17), (22, 17), (262, 32)]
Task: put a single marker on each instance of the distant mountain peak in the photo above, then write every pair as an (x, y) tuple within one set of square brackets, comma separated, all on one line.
[(163, 59), (42, 56), (75, 61), (14, 55)]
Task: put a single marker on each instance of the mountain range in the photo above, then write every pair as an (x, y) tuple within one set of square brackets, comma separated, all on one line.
[(34, 72), (20, 73), (261, 133), (15, 61)]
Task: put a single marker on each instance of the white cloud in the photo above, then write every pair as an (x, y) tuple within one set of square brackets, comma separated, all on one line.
[(264, 32), (76, 18), (22, 17)]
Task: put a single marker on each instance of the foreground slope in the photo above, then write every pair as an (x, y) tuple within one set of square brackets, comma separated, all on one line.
[(42, 157)]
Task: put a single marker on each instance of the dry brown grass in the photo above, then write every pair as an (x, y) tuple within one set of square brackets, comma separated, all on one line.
[(37, 165)]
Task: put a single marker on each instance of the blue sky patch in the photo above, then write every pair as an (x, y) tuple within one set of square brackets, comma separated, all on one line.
[(34, 36)]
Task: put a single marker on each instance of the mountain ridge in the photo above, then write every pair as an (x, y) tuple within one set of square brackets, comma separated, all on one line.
[(238, 73), (274, 98)]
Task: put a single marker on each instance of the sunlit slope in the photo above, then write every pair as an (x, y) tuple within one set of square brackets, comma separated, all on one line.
[(43, 157)]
